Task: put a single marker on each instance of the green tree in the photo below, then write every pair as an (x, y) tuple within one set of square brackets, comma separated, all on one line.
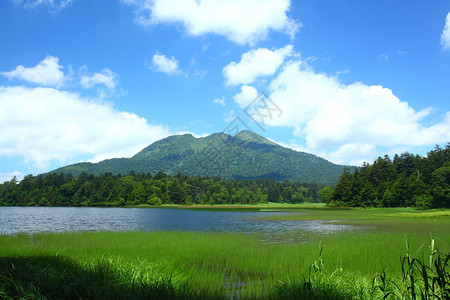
[(44, 202), (423, 201), (402, 191), (326, 194), (154, 200), (343, 191), (139, 196), (441, 186), (388, 198)]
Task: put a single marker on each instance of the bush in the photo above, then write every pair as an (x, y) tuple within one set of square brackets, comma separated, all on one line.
[(154, 200), (423, 201)]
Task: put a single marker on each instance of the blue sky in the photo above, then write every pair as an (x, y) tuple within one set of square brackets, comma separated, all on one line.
[(346, 80)]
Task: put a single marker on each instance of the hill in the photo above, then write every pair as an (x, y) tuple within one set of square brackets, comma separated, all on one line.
[(246, 155)]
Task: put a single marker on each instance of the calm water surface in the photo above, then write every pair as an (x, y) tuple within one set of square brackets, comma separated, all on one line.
[(62, 219)]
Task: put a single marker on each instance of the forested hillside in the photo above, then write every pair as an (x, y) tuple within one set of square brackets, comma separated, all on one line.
[(246, 155), (134, 189), (406, 180)]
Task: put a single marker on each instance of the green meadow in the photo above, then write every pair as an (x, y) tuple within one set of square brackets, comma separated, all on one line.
[(361, 264)]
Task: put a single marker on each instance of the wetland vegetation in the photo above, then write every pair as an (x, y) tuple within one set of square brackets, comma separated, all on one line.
[(193, 265)]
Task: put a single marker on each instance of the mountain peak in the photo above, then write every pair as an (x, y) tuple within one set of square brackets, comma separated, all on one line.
[(250, 136), (219, 155), (246, 133)]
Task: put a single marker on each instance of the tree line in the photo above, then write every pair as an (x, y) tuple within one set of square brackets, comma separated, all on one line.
[(407, 180), (134, 189)]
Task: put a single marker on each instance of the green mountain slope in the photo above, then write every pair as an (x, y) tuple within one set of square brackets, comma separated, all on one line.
[(246, 155)]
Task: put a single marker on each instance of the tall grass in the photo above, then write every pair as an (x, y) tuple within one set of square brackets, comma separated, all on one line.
[(421, 277), (54, 277)]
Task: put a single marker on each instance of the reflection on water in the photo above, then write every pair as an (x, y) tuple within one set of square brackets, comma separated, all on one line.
[(61, 219)]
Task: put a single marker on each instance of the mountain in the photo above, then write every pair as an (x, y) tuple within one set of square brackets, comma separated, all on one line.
[(246, 155)]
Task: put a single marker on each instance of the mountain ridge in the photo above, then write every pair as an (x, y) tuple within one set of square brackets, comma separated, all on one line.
[(245, 155)]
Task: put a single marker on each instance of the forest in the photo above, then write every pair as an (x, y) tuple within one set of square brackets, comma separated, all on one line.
[(135, 189), (405, 181)]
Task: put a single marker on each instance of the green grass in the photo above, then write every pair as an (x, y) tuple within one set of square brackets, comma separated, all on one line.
[(200, 265), (360, 214), (271, 206)]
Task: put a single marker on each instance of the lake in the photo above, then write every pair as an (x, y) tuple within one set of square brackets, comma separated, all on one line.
[(15, 220)]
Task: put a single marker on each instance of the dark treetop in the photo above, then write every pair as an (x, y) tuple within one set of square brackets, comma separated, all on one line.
[(407, 180)]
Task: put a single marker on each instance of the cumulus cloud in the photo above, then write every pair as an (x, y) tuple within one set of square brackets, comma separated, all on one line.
[(246, 96), (241, 21), (328, 113), (45, 124), (47, 72), (349, 121), (255, 63), (168, 65), (445, 36), (53, 5)]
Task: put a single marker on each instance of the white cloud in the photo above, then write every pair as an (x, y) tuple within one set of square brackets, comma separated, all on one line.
[(8, 176), (53, 5), (345, 123), (44, 125), (107, 78), (354, 154), (241, 21), (196, 135), (329, 113), (220, 101), (47, 72), (166, 65), (445, 36), (246, 96), (348, 154), (255, 63)]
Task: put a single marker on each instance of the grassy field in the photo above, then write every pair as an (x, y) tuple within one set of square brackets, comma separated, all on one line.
[(194, 265)]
